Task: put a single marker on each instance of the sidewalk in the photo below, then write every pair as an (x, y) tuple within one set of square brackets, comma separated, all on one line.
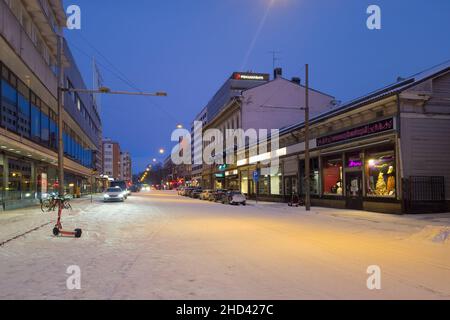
[(416, 220), (18, 223)]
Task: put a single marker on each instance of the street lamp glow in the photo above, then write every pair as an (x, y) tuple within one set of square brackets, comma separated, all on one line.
[(180, 126), (162, 151)]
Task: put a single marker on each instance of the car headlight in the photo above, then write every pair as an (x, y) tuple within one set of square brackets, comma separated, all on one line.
[(106, 196)]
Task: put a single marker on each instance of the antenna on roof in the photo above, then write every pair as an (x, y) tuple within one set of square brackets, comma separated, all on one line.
[(275, 58)]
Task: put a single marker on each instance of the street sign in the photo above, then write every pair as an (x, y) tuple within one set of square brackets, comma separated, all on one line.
[(256, 176)]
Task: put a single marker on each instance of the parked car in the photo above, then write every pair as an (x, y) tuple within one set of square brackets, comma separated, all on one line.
[(234, 198), (180, 190), (122, 185), (217, 195), (115, 194), (135, 188), (195, 194), (187, 192), (205, 194)]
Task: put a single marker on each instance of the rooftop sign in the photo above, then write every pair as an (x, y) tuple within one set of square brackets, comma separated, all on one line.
[(250, 76)]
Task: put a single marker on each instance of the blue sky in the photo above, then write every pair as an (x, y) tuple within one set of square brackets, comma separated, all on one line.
[(189, 48)]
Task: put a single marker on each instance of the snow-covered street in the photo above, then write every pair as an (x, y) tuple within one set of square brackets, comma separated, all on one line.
[(161, 246)]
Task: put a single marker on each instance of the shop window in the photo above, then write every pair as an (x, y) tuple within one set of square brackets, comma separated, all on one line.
[(332, 176), (244, 182), (20, 184), (314, 176), (381, 174), (290, 185), (263, 185), (275, 185)]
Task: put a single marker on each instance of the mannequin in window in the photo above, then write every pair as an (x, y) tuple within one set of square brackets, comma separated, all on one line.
[(391, 181)]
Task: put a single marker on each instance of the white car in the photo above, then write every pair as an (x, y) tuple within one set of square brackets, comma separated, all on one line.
[(234, 197), (114, 195)]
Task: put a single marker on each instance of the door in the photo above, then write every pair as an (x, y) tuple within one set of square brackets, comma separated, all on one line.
[(354, 193)]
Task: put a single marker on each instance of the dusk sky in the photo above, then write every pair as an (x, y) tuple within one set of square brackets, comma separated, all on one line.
[(189, 48)]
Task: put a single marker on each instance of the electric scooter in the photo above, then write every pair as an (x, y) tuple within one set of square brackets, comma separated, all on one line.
[(58, 230)]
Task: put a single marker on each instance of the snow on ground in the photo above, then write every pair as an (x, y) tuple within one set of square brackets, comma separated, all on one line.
[(161, 246)]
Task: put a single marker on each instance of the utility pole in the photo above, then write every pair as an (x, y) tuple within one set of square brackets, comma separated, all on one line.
[(307, 154), (61, 190)]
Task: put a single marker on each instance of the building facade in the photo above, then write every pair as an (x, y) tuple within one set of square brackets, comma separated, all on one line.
[(126, 173), (196, 168), (266, 105), (29, 131), (111, 158), (385, 152)]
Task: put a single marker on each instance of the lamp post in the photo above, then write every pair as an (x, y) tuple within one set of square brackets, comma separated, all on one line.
[(307, 153), (62, 89)]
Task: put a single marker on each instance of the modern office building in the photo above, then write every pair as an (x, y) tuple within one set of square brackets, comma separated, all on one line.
[(28, 130), (111, 158)]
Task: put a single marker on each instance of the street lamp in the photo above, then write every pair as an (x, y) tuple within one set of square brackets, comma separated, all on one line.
[(162, 151), (307, 153)]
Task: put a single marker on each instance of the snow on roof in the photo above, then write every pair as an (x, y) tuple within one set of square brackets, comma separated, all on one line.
[(387, 91)]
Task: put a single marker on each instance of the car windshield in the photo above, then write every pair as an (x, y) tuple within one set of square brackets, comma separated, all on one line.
[(114, 190)]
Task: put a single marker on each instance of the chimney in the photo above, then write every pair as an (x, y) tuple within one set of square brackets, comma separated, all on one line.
[(296, 80), (277, 73)]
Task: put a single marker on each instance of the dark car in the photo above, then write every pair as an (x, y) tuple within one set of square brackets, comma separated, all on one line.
[(217, 195), (187, 192), (195, 194), (135, 188)]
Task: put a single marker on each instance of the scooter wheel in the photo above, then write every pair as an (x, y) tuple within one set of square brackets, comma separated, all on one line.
[(78, 233), (56, 232)]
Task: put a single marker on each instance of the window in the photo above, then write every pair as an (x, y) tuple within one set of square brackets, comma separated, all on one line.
[(45, 126), (23, 110), (9, 100), (264, 182), (381, 174), (35, 123), (314, 176), (20, 184), (332, 176), (275, 185), (53, 130)]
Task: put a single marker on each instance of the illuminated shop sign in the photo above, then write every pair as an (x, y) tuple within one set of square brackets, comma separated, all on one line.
[(251, 76), (354, 163), (363, 131)]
